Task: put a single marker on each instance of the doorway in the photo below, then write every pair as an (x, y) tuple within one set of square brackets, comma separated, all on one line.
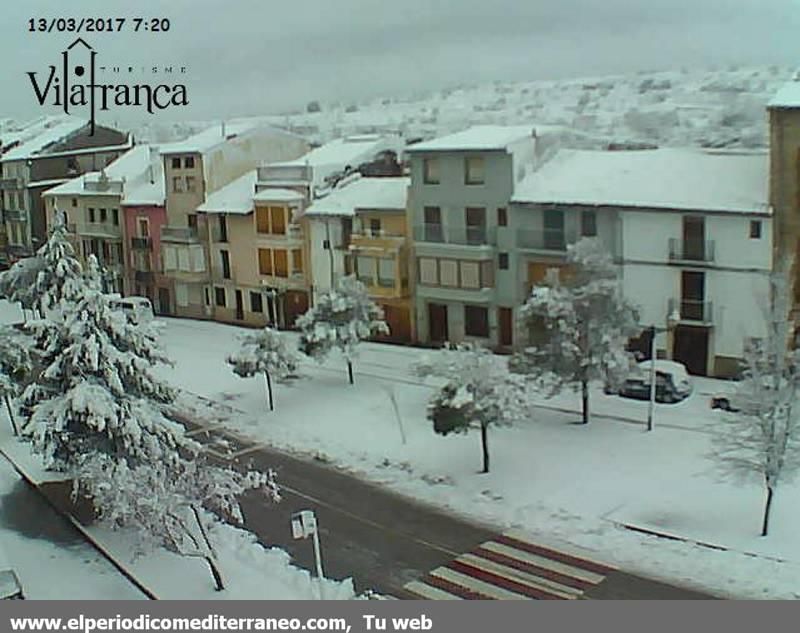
[(163, 301), (691, 349), (506, 321), (239, 306), (437, 323)]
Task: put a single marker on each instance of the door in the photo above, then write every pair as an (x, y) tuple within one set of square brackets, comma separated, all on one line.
[(506, 321), (554, 230), (691, 348), (239, 306), (163, 301), (693, 291), (437, 323), (694, 239), (295, 305)]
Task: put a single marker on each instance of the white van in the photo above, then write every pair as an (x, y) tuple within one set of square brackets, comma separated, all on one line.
[(137, 309)]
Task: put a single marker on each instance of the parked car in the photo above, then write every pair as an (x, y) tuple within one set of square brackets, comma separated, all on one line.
[(137, 309), (10, 586), (672, 382)]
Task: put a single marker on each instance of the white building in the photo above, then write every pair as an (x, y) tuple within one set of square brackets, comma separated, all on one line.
[(692, 230)]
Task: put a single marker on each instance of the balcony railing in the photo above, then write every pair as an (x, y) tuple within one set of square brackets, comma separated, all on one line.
[(461, 235), (142, 243), (693, 310), (377, 235), (544, 239), (179, 234), (9, 183), (15, 215), (691, 250), (105, 229), (146, 277)]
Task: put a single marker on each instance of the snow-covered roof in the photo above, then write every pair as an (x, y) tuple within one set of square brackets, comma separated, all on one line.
[(788, 96), (477, 138), (51, 131), (278, 194), (235, 197), (388, 194), (211, 137), (349, 151), (662, 178)]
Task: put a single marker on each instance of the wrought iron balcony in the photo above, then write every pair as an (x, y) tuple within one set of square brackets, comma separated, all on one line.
[(185, 234), (461, 235), (146, 277), (701, 251), (693, 310), (142, 243)]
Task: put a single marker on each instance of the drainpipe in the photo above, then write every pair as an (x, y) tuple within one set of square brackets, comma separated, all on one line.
[(330, 247)]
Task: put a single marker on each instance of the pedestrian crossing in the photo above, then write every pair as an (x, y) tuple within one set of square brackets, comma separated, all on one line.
[(511, 567)]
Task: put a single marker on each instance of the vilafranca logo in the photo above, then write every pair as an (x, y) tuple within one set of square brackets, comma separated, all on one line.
[(76, 86)]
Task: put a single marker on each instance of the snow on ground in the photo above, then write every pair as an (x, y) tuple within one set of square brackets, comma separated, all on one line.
[(562, 481), (52, 561)]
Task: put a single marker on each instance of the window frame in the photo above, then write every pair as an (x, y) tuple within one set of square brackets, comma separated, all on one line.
[(469, 325)]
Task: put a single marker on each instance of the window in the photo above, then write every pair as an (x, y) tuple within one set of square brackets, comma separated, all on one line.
[(256, 302), (115, 217), (487, 274), (755, 230), (223, 228), (428, 271), (375, 227), (588, 224), (265, 261), (262, 220), (176, 163), (430, 169), (502, 217), (191, 183), (177, 184), (448, 273), (476, 225), (170, 258), (74, 202), (181, 295), (281, 263), (297, 261), (21, 201), (183, 259), (207, 295), (470, 275), (219, 296), (188, 162), (473, 170), (191, 221), (226, 264), (502, 261), (433, 225), (91, 214), (277, 216), (386, 272), (476, 321), (144, 227), (103, 215), (365, 270)]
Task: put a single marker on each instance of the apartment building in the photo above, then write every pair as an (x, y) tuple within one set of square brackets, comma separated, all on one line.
[(784, 173), (195, 169), (257, 238), (692, 231), (60, 149), (376, 248), (461, 186), (93, 204)]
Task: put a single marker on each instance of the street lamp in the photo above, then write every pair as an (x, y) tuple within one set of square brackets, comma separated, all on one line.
[(672, 321), (304, 524)]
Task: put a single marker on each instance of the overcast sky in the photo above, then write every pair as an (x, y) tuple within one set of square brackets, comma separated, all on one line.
[(258, 56)]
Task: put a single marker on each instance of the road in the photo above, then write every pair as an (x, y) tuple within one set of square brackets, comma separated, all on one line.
[(384, 540)]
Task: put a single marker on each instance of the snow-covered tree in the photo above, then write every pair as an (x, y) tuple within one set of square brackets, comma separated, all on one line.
[(93, 275), (18, 283), (265, 352), (579, 325), (97, 391), (477, 391), (15, 366), (762, 437), (181, 497), (341, 319)]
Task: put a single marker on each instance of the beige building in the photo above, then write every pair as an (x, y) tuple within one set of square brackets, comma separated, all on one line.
[(195, 169)]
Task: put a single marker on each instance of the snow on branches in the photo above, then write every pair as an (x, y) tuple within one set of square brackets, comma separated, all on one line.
[(15, 366), (265, 352), (579, 324), (762, 436), (476, 392), (341, 319)]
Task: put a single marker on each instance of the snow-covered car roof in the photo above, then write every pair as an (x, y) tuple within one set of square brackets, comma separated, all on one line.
[(670, 367)]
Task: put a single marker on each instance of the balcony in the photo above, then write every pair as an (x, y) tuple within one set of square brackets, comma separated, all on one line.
[(142, 243), (460, 235), (182, 234), (15, 215), (10, 184), (101, 229), (548, 240), (144, 277), (691, 251), (693, 311)]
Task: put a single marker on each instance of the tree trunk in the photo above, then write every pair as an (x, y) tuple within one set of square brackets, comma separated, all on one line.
[(585, 398), (269, 390), (485, 447), (350, 370), (767, 509), (11, 416), (219, 585)]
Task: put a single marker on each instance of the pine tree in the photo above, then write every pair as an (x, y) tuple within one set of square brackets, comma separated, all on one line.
[(477, 392), (580, 324), (15, 367), (18, 283), (341, 319), (265, 352)]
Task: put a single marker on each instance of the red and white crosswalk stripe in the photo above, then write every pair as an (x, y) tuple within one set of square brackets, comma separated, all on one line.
[(511, 567)]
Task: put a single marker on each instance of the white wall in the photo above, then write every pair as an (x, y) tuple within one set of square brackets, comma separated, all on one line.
[(321, 257)]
